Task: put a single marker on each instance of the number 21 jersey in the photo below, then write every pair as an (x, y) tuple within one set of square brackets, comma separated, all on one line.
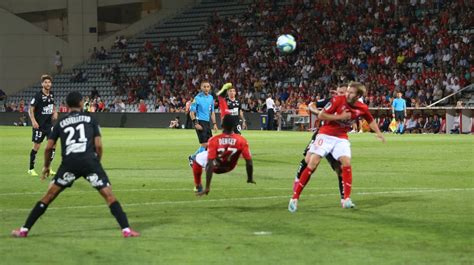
[(77, 132)]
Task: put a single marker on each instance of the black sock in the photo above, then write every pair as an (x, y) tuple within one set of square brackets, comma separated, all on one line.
[(119, 214), (36, 213), (302, 166), (52, 153), (32, 158), (341, 185)]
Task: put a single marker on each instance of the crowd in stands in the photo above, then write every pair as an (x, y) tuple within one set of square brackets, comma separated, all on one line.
[(419, 48), (389, 47)]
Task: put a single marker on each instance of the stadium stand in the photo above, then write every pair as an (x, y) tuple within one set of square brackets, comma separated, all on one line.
[(422, 49)]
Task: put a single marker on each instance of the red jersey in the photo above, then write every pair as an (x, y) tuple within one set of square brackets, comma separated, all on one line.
[(338, 105), (226, 149)]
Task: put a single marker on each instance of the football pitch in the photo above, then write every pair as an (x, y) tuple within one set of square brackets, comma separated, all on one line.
[(414, 198)]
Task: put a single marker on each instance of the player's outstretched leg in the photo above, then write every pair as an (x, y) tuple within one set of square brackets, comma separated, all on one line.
[(197, 173), (38, 210), (304, 179), (117, 212)]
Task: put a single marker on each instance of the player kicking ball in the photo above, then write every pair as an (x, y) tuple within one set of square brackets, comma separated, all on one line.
[(338, 115), (222, 156), (81, 147)]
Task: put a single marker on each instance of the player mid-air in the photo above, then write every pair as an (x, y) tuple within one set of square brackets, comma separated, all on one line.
[(222, 156), (230, 105), (335, 164), (81, 147), (332, 138), (42, 114)]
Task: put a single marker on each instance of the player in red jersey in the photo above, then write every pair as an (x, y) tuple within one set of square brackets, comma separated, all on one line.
[(338, 115), (222, 155)]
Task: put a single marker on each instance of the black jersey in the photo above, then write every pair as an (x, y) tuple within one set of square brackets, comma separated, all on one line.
[(77, 132), (44, 106), (233, 107)]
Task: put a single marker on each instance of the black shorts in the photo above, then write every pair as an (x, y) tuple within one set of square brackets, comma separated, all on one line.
[(41, 133), (206, 133), (400, 115), (89, 169), (238, 127)]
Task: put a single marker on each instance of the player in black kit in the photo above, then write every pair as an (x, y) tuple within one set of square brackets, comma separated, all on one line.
[(81, 148), (230, 105), (335, 164), (42, 113)]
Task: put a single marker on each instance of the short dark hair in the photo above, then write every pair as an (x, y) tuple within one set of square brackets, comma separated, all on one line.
[(73, 99), (205, 81), (44, 77), (229, 122)]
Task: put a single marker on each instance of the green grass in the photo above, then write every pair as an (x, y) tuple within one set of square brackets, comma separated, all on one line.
[(414, 196)]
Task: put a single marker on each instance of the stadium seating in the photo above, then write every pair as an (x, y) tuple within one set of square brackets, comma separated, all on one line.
[(226, 26)]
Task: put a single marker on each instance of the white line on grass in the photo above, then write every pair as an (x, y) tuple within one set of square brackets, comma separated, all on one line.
[(243, 199), (190, 189)]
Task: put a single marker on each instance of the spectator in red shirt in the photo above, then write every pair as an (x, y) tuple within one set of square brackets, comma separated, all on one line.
[(63, 108), (142, 106)]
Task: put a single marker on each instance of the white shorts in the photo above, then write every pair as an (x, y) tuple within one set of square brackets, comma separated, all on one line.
[(325, 144), (201, 159)]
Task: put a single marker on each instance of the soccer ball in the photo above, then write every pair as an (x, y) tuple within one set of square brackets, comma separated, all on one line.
[(286, 43)]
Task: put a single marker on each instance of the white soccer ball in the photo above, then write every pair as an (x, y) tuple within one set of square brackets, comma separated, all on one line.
[(286, 43)]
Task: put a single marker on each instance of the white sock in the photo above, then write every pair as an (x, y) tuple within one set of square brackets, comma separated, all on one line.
[(23, 229), (127, 230)]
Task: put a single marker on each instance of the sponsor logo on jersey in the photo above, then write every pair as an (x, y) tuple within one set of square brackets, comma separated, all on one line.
[(328, 106), (48, 109)]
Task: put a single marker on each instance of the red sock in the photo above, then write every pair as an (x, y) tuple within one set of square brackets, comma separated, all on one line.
[(347, 180), (197, 171), (304, 178)]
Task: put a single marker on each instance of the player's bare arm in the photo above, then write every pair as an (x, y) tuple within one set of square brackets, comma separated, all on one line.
[(31, 113), (98, 147), (47, 158), (373, 125), (331, 117), (249, 168), (54, 117), (195, 121), (213, 119), (244, 122), (312, 108)]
